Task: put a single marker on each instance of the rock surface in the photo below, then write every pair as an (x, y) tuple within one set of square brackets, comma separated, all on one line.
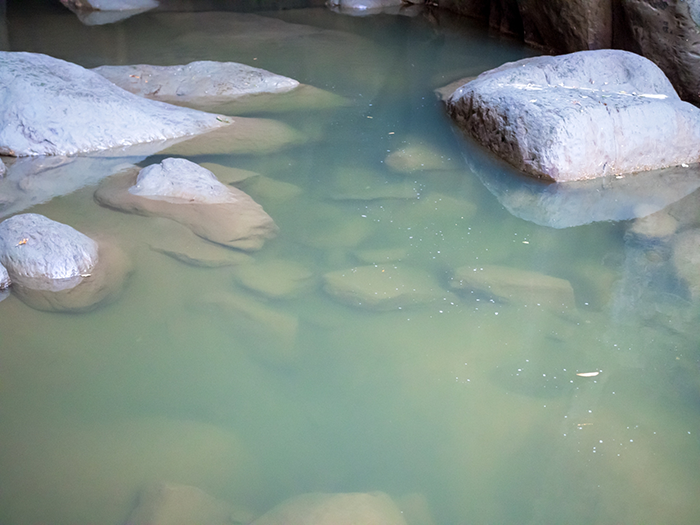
[(276, 278), (3, 169), (579, 116), (110, 5), (4, 278), (212, 81), (374, 508), (52, 107), (218, 213), (513, 285)]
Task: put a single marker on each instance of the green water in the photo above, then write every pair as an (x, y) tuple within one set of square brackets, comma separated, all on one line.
[(463, 409)]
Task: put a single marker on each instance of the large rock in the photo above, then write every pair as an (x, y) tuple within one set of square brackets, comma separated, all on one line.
[(374, 508), (56, 268), (211, 81), (579, 116), (52, 107), (191, 195), (667, 32)]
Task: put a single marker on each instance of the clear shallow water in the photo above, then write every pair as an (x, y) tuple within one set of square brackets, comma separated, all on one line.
[(469, 407)]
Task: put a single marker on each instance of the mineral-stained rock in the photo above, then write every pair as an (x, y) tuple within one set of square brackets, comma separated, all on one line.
[(211, 81), (382, 287), (686, 259), (216, 212), (374, 508), (172, 504), (513, 285), (579, 116), (52, 107)]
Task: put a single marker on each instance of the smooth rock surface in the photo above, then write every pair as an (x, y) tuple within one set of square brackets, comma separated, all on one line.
[(579, 116), (213, 81), (232, 219), (382, 287), (52, 107), (513, 285), (45, 253), (374, 508)]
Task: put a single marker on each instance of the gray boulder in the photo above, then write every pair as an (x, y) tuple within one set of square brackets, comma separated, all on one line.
[(181, 190), (220, 81), (3, 169), (579, 116), (52, 107), (4, 278)]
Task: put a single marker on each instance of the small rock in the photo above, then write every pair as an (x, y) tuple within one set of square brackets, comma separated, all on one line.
[(513, 285), (418, 157), (275, 278), (335, 509), (382, 287)]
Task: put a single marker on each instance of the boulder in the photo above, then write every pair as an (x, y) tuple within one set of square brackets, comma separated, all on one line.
[(375, 508), (100, 12), (667, 32), (382, 287), (3, 169), (227, 174), (181, 190), (52, 107), (56, 268), (507, 284), (276, 278), (579, 116), (215, 82), (173, 504), (4, 278)]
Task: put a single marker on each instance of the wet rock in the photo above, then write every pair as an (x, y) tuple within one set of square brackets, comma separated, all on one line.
[(362, 184), (4, 278), (180, 190), (172, 504), (513, 285), (52, 107), (418, 157), (270, 190), (382, 287), (275, 278), (215, 82), (667, 32), (330, 227), (101, 12), (579, 116), (686, 260), (3, 169), (416, 509), (658, 225), (227, 174), (334, 509)]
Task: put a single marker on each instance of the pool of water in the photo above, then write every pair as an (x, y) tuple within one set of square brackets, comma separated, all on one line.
[(465, 408)]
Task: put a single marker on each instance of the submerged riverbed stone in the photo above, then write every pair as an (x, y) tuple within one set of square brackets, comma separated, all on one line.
[(579, 116), (52, 107), (382, 287), (686, 259), (4, 278), (276, 278), (418, 157), (513, 285), (375, 508), (181, 190)]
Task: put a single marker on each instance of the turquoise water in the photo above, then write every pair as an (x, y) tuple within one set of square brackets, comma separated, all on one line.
[(464, 409)]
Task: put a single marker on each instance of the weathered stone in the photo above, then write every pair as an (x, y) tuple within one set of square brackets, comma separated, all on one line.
[(52, 107), (579, 116), (667, 32), (418, 157), (382, 287), (686, 259), (228, 217), (513, 285), (214, 82), (4, 278), (172, 504), (275, 278), (335, 509)]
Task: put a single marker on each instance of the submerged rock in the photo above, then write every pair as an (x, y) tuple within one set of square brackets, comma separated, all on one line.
[(579, 116), (56, 268), (382, 287), (362, 184), (276, 278), (52, 107), (211, 81), (172, 504), (513, 285), (418, 157), (335, 509), (686, 259), (181, 190)]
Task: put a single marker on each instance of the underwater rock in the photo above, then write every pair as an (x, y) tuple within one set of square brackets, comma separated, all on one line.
[(275, 278), (418, 157), (686, 259), (513, 285), (269, 189), (173, 504), (382, 287), (180, 190), (579, 116), (334, 509), (4, 278), (362, 184), (52, 107), (215, 82), (655, 226), (227, 174)]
